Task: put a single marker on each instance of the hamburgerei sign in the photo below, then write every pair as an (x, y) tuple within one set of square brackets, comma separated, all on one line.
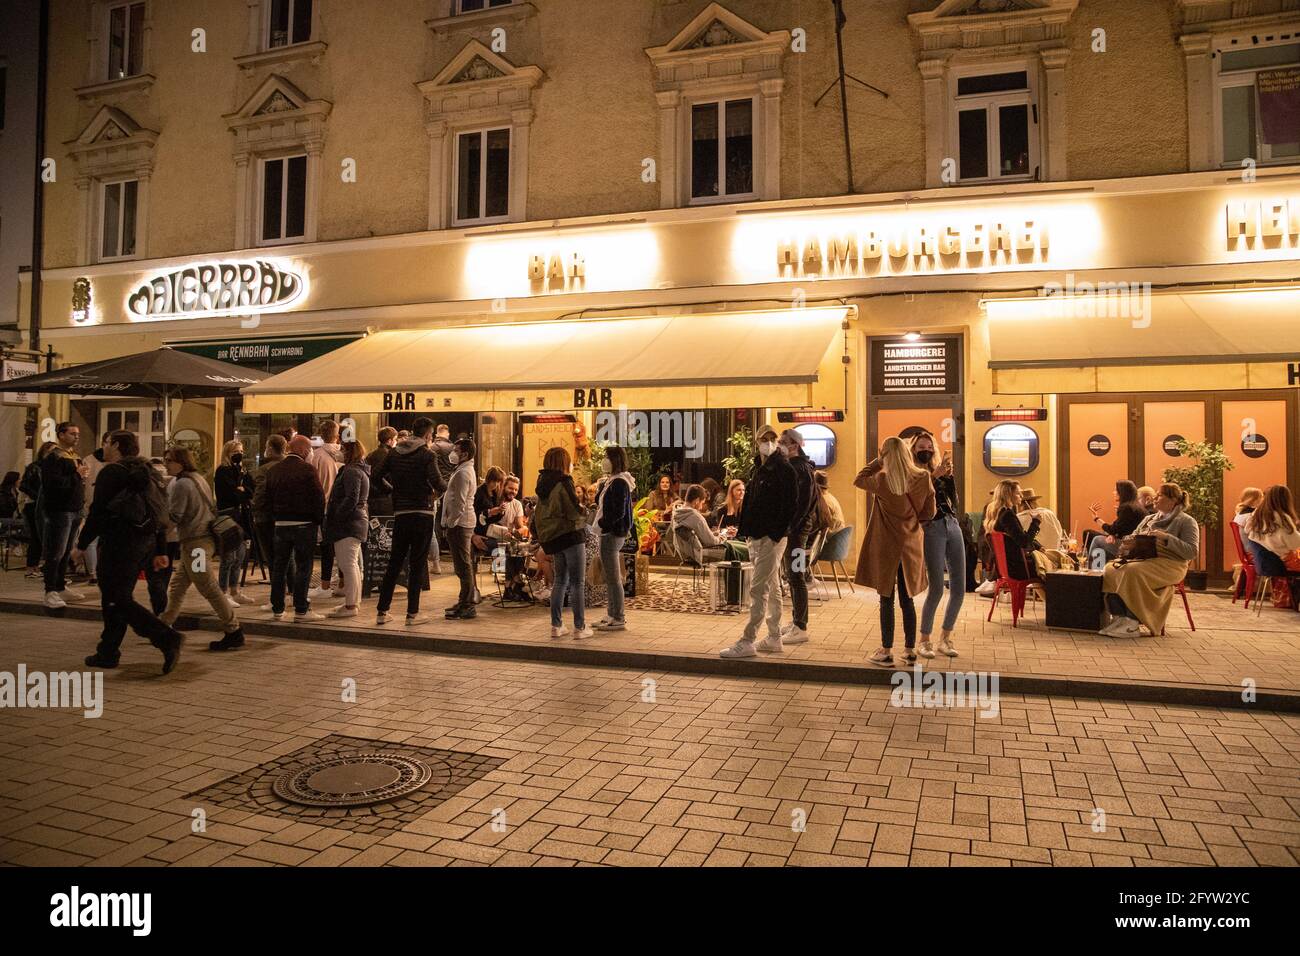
[(224, 288)]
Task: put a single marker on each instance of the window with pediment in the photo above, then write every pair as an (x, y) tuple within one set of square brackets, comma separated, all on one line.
[(114, 158)]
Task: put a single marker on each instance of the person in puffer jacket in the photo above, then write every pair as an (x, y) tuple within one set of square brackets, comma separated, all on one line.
[(613, 520), (347, 522), (563, 535)]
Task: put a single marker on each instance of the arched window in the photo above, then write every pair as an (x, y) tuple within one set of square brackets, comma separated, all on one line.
[(818, 444), (1010, 449)]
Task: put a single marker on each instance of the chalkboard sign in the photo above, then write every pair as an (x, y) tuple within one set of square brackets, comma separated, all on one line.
[(378, 553)]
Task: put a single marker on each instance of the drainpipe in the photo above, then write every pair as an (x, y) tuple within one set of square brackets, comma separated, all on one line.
[(38, 199)]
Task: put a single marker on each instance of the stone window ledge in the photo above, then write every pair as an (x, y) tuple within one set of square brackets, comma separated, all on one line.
[(311, 50), (129, 84), (490, 17)]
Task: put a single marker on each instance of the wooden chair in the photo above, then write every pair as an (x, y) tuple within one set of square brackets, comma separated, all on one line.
[(1018, 589)]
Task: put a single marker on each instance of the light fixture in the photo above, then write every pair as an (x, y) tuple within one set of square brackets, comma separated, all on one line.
[(912, 337)]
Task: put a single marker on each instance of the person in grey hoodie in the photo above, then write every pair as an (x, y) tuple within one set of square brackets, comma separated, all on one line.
[(192, 508), (458, 520), (347, 523), (327, 459)]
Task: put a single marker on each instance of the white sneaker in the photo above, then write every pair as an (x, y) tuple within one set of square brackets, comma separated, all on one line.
[(603, 623), (277, 615), (344, 611), (54, 601), (383, 617), (796, 635), (558, 632), (320, 594), (770, 645), (1122, 626), (583, 634), (986, 588), (307, 618), (946, 648), (231, 602), (244, 599), (437, 568), (70, 595), (925, 649), (265, 607), (413, 619), (742, 648)]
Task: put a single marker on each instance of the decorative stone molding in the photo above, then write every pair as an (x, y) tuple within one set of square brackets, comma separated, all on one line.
[(310, 52), (277, 119), (477, 88), (718, 54), (1226, 15), (448, 21), (111, 146), (93, 92)]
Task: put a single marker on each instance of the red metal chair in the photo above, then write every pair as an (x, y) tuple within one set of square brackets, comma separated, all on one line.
[(1018, 589), (1247, 564), (1181, 589)]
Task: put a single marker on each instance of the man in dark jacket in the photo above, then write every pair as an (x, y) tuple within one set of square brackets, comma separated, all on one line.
[(63, 496), (803, 528), (442, 446), (413, 472), (769, 511), (297, 503), (381, 497), (125, 551)]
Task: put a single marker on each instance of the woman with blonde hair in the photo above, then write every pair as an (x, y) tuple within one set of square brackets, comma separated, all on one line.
[(1142, 591), (893, 550), (1021, 542)]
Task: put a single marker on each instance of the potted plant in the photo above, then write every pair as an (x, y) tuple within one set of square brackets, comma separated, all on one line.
[(1202, 479), (740, 463)]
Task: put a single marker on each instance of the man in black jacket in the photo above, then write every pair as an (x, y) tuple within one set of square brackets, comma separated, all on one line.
[(803, 528), (442, 446), (766, 519), (297, 503), (63, 496), (125, 551), (412, 470)]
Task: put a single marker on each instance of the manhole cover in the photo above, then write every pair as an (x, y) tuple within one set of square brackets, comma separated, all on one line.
[(352, 780)]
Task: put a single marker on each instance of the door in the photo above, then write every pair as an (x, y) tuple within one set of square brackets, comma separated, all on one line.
[(941, 421), (1163, 424), (147, 422), (1097, 449), (1255, 439), (535, 437)]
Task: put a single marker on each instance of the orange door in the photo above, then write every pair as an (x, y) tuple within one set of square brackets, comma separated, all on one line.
[(1099, 456), (1163, 423), (1255, 439), (939, 422)]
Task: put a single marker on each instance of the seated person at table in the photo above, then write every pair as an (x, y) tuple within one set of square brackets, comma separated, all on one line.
[(1147, 499), (716, 496), (691, 533), (1251, 498), (487, 500), (663, 497), (833, 508), (1002, 515), (728, 516), (1272, 536), (1128, 515), (1049, 528), (1142, 592)]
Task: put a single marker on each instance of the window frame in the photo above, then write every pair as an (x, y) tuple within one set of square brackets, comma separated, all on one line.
[(719, 100), (267, 7), (102, 187), (458, 7), (284, 156), (127, 5), (453, 198), (1219, 45), (992, 103)]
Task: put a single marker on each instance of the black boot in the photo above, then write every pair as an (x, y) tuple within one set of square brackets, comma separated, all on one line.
[(454, 612), (103, 663), (171, 650), (228, 643)]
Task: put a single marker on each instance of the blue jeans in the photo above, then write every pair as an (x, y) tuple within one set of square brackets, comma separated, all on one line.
[(57, 538), (571, 576), (231, 565), (296, 542), (611, 560), (944, 548)]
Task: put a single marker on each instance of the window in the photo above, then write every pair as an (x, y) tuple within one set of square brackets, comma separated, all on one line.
[(125, 40), (1010, 450), (118, 219), (722, 150), (469, 6), (1254, 106), (284, 198), (997, 126), (483, 176), (290, 23), (818, 444)]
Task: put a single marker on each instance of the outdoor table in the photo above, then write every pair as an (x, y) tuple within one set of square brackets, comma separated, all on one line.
[(1074, 599)]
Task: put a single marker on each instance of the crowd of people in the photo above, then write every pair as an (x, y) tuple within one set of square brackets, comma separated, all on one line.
[(1270, 536)]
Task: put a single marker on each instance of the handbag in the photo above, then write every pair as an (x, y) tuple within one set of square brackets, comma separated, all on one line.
[(1137, 547), (227, 533)]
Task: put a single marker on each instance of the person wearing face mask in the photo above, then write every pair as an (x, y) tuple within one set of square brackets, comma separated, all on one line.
[(804, 525), (613, 520), (1142, 592), (945, 549), (768, 514), (234, 488), (458, 523)]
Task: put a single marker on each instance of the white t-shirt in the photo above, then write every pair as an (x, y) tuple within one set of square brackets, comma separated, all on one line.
[(511, 512)]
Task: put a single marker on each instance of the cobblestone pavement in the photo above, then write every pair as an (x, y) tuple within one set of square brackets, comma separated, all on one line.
[(1229, 645), (712, 771)]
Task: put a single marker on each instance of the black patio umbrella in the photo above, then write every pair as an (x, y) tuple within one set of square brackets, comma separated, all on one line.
[(161, 375)]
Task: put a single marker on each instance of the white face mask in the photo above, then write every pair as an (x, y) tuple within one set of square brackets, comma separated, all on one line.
[(765, 448), (606, 468), (454, 458)]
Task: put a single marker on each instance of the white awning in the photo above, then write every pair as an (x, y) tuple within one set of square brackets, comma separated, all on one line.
[(719, 360)]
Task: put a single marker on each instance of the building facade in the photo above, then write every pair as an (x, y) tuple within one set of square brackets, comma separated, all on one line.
[(1072, 234)]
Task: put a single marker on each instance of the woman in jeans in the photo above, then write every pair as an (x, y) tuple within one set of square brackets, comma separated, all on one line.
[(613, 520), (563, 536), (893, 551), (234, 488), (347, 522), (945, 549)]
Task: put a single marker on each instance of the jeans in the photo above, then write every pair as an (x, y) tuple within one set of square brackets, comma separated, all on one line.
[(944, 548), (797, 560), (411, 534), (57, 536), (91, 558), (347, 551), (887, 614), (293, 543), (117, 576), (231, 565), (265, 534), (462, 559), (765, 590), (197, 566), (33, 522), (570, 576), (611, 559)]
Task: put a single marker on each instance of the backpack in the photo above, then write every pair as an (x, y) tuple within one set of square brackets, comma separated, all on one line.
[(31, 483), (142, 504)]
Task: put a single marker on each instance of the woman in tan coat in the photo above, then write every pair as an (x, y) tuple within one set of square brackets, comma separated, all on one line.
[(893, 551)]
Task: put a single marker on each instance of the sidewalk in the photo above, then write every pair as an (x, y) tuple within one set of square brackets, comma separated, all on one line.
[(1208, 666)]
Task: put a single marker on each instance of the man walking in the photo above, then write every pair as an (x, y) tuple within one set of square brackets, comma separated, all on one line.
[(297, 503), (127, 515), (803, 528), (411, 468), (765, 521), (63, 495), (458, 522)]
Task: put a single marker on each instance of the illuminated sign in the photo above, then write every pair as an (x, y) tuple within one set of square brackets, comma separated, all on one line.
[(1269, 219), (557, 273), (218, 288)]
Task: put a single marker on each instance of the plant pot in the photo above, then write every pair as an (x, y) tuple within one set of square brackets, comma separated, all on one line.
[(1197, 580)]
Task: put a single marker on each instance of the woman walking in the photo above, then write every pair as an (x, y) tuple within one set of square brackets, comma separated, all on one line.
[(945, 549), (613, 522), (192, 512), (347, 522), (234, 488), (893, 551), (563, 535)]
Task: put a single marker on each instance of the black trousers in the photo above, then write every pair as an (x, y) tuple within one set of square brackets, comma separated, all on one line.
[(459, 540), (797, 561), (32, 521), (887, 614), (158, 581), (326, 559), (293, 548), (120, 565), (411, 536)]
